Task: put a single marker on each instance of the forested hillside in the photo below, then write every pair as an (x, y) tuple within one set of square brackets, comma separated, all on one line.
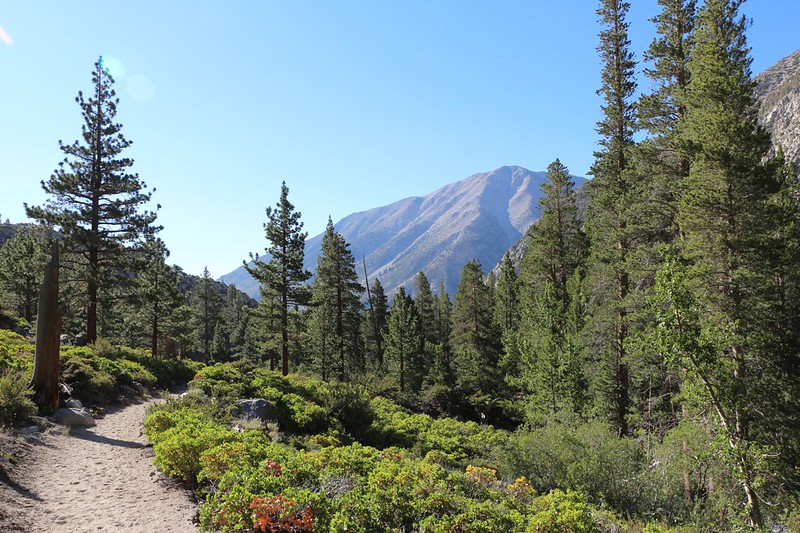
[(638, 370)]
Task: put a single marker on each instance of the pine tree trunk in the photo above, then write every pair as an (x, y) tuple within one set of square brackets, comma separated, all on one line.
[(154, 337), (622, 397), (46, 362), (285, 332)]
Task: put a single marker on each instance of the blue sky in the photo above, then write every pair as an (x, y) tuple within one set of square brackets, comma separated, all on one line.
[(355, 104)]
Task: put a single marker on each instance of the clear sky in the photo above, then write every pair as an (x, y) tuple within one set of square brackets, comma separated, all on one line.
[(355, 104)]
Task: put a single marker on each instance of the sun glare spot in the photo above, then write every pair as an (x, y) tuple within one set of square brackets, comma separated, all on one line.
[(113, 66), (5, 37)]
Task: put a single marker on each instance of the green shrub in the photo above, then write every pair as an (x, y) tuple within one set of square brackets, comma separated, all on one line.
[(179, 437), (588, 458), (178, 451), (16, 353), (168, 415), (167, 372), (133, 372), (304, 416), (88, 377), (351, 407), (16, 406), (477, 517), (222, 381), (560, 511)]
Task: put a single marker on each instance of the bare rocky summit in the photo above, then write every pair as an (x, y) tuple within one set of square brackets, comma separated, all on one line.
[(778, 93)]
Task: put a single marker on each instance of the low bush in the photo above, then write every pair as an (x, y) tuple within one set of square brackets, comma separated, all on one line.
[(588, 458), (561, 511), (252, 484), (180, 437), (16, 406), (223, 381), (16, 353), (90, 380), (167, 372)]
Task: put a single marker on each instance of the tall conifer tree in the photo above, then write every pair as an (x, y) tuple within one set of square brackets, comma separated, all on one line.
[(506, 297), (734, 225), (426, 307), (542, 358), (95, 202), (474, 339), (375, 328), (206, 307), (404, 343), (157, 293), (283, 277), (337, 289), (612, 220)]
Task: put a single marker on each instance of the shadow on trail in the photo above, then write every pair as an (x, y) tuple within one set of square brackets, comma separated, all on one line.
[(93, 437), (19, 489)]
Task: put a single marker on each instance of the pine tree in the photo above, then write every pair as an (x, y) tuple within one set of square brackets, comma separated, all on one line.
[(235, 318), (283, 277), (321, 327), (206, 304), (22, 261), (336, 287), (669, 53), (375, 326), (734, 224), (440, 368), (506, 297), (474, 339), (612, 218), (46, 359), (426, 308), (219, 343), (157, 293), (404, 342), (659, 113), (96, 203), (556, 242), (444, 309), (548, 366)]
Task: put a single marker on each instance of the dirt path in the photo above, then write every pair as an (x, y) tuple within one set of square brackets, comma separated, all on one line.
[(97, 479)]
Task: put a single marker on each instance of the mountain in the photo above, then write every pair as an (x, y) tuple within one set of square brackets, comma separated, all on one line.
[(479, 217), (778, 91)]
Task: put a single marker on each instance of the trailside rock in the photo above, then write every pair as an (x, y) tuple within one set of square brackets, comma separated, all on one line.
[(70, 416), (260, 409), (72, 403)]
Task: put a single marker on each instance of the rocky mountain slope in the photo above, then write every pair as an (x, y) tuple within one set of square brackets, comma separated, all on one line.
[(479, 217), (778, 90)]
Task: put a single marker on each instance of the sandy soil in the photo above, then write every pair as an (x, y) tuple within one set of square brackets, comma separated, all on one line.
[(96, 479)]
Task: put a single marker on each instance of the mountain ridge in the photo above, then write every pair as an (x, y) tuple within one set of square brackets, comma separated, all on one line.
[(478, 217)]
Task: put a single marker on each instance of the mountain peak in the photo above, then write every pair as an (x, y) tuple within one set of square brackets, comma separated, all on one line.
[(478, 217)]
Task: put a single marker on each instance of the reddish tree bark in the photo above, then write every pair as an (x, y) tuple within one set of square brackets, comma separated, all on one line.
[(47, 362)]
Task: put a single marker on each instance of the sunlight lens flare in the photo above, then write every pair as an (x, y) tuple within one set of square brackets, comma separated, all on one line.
[(113, 66), (5, 37)]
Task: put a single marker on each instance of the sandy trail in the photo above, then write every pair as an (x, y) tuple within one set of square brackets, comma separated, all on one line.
[(97, 479)]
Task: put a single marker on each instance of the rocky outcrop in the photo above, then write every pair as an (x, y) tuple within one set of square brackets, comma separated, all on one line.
[(778, 93), (257, 409), (73, 417)]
